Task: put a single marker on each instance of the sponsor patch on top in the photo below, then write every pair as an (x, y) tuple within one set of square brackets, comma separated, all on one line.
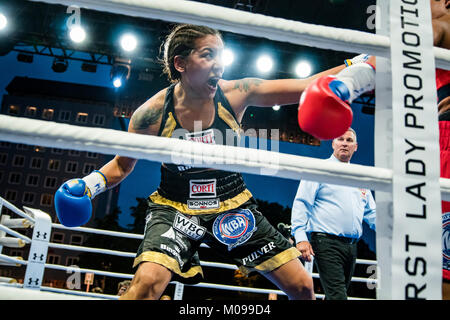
[(206, 136)]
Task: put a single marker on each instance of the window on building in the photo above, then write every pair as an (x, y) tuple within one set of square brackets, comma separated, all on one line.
[(23, 147), (1, 175), (39, 149), (99, 119), (82, 117), (72, 261), (32, 180), (11, 195), (46, 200), (3, 158), (93, 155), (14, 110), (5, 145), (31, 111), (18, 161), (15, 253), (53, 165), (53, 259), (64, 115), (71, 166), (14, 178), (57, 151), (50, 182), (88, 168), (74, 153), (48, 113), (36, 163), (57, 237), (76, 239), (28, 197)]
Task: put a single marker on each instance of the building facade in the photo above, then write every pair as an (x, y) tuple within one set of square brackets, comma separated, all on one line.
[(31, 174)]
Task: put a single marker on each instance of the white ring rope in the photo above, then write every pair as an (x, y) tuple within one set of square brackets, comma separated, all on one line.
[(15, 234), (251, 24), (105, 141), (18, 261), (153, 148)]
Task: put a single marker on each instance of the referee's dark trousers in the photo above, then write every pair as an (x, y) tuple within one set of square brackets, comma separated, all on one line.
[(335, 259)]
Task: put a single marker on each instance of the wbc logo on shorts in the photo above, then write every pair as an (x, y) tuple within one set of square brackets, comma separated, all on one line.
[(234, 227)]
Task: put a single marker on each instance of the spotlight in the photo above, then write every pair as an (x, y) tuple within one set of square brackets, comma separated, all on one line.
[(227, 57), (117, 82), (276, 107), (77, 34), (60, 65), (3, 21), (264, 63), (23, 57), (128, 42), (120, 72), (303, 69)]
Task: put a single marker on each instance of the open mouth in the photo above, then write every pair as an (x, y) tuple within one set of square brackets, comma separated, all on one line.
[(212, 82)]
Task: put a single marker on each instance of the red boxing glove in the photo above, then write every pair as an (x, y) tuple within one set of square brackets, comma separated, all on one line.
[(323, 111)]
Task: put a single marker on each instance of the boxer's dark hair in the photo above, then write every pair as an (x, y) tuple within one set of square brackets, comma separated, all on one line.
[(180, 42)]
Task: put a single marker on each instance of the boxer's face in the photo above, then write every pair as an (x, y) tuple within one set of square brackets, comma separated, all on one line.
[(344, 146), (203, 68), (439, 8)]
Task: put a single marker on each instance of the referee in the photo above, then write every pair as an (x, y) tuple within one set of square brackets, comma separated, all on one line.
[(327, 223)]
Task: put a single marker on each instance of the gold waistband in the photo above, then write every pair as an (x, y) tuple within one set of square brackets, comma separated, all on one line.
[(225, 205)]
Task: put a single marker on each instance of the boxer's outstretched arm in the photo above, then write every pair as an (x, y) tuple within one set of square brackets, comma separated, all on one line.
[(267, 93), (145, 120)]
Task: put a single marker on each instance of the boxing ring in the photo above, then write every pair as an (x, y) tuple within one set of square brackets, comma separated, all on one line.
[(9, 289), (51, 134)]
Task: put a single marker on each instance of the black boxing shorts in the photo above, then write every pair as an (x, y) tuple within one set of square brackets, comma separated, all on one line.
[(242, 235)]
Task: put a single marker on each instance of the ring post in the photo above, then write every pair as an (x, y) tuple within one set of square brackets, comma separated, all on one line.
[(38, 250)]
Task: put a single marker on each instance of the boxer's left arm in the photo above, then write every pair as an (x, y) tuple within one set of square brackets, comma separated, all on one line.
[(267, 93)]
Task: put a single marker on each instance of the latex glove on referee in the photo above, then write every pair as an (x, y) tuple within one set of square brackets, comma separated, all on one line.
[(73, 200), (324, 110)]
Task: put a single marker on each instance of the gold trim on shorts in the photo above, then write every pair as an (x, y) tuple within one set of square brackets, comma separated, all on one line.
[(168, 262), (274, 262), (226, 205)]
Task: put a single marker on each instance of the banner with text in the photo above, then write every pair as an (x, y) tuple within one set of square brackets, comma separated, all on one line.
[(416, 246)]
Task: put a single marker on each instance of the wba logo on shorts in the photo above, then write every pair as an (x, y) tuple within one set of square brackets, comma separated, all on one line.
[(202, 188), (234, 227), (188, 227), (206, 136)]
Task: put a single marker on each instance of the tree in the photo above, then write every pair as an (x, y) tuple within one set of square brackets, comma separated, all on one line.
[(139, 213)]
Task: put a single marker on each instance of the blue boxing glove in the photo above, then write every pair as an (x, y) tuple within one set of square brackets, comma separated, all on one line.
[(73, 199)]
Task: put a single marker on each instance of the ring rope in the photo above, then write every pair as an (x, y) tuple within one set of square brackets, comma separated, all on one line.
[(18, 262), (252, 24), (313, 172), (161, 149), (15, 233)]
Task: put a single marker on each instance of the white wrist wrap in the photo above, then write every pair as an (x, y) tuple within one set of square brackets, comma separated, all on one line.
[(363, 57), (96, 183), (359, 78)]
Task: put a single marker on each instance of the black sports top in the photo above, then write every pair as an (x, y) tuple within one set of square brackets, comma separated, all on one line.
[(194, 190)]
